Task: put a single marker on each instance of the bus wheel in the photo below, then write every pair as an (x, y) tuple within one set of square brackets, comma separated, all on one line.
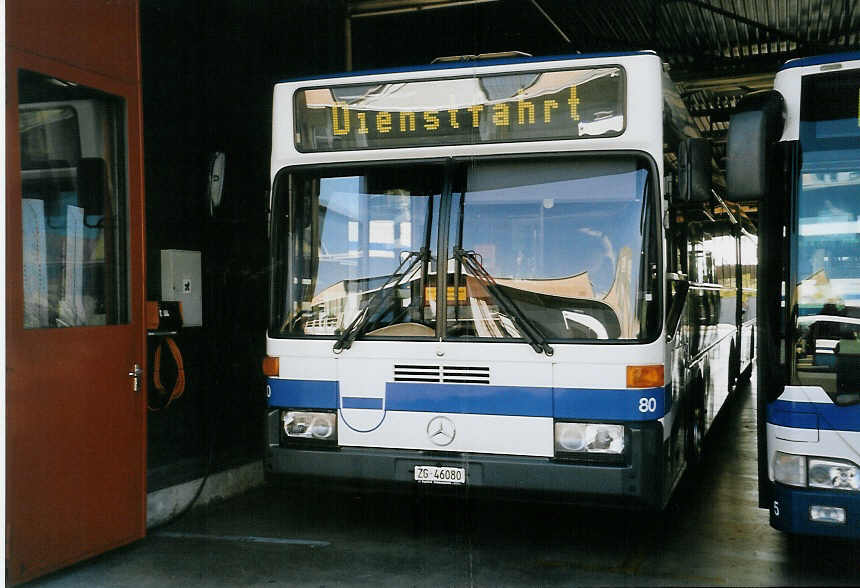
[(745, 376), (696, 425), (734, 369)]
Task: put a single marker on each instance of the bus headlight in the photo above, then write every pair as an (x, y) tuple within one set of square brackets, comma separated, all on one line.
[(789, 469), (302, 424), (833, 474), (589, 438)]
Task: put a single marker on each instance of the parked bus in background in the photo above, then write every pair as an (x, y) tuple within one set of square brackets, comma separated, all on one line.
[(796, 150), (511, 273)]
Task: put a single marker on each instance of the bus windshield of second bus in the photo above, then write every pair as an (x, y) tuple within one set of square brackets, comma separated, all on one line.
[(353, 227), (827, 342)]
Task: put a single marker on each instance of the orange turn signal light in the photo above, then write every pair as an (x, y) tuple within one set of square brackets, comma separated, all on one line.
[(271, 366), (644, 376)]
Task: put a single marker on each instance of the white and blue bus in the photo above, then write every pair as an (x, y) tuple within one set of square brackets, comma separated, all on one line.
[(514, 274), (796, 150)]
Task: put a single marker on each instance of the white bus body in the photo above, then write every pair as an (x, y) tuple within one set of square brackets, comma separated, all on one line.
[(809, 392), (614, 413)]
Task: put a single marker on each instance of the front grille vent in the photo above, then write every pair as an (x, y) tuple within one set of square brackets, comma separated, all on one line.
[(465, 375), (417, 373), (446, 374)]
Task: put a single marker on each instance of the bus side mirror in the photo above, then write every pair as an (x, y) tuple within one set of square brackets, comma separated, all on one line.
[(753, 128), (216, 180), (694, 168)]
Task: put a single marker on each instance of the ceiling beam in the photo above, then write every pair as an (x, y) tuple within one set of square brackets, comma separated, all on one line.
[(368, 8), (552, 22), (784, 35)]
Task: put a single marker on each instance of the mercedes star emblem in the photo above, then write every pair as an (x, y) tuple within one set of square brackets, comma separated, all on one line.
[(441, 431)]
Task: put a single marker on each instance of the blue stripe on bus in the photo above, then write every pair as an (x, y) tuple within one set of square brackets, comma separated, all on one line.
[(827, 417), (366, 403), (469, 399), (634, 404), (303, 393), (563, 403), (796, 420), (821, 60)]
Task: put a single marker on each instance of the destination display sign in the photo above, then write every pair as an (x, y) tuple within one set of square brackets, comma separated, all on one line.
[(563, 104), (830, 108)]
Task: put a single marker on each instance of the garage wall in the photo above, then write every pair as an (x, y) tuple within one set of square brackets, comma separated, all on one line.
[(208, 72)]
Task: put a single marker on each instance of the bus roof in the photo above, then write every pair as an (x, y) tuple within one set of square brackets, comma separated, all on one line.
[(821, 60), (467, 64)]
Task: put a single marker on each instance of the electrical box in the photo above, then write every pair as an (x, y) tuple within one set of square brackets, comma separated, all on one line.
[(181, 280)]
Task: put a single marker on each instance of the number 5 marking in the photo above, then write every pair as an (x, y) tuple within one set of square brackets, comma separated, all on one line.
[(647, 404), (776, 508)]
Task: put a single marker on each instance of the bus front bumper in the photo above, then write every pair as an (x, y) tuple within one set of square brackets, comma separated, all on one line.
[(636, 482), (791, 511)]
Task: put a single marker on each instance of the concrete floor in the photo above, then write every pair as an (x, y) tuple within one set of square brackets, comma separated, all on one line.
[(711, 534)]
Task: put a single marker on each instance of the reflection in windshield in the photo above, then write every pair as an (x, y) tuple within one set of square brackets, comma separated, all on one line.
[(560, 239), (827, 264), (353, 233), (827, 344), (827, 330), (509, 309)]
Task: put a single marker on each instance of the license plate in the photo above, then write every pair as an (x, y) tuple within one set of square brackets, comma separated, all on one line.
[(439, 475)]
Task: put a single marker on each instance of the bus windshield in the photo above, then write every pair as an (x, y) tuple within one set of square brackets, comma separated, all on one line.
[(827, 266), (554, 246)]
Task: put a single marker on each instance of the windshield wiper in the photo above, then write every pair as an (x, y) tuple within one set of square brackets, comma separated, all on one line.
[(532, 332), (380, 299)]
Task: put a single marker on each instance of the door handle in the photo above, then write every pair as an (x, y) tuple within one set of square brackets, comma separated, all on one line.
[(136, 373)]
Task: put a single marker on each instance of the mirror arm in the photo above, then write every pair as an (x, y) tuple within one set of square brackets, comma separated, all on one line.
[(725, 206), (679, 300)]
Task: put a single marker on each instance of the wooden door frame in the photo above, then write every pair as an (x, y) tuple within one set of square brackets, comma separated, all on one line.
[(15, 333)]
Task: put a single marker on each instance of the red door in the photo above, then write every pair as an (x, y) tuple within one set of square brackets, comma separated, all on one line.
[(75, 425)]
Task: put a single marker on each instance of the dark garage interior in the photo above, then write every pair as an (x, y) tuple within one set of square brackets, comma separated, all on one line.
[(208, 70), (208, 97)]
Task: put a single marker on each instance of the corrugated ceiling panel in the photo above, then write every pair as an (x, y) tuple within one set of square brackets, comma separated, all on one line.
[(718, 49)]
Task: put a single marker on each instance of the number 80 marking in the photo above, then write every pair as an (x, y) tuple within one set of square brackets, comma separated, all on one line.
[(647, 404)]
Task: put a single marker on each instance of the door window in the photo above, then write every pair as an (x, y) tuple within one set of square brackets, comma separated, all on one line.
[(74, 204)]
